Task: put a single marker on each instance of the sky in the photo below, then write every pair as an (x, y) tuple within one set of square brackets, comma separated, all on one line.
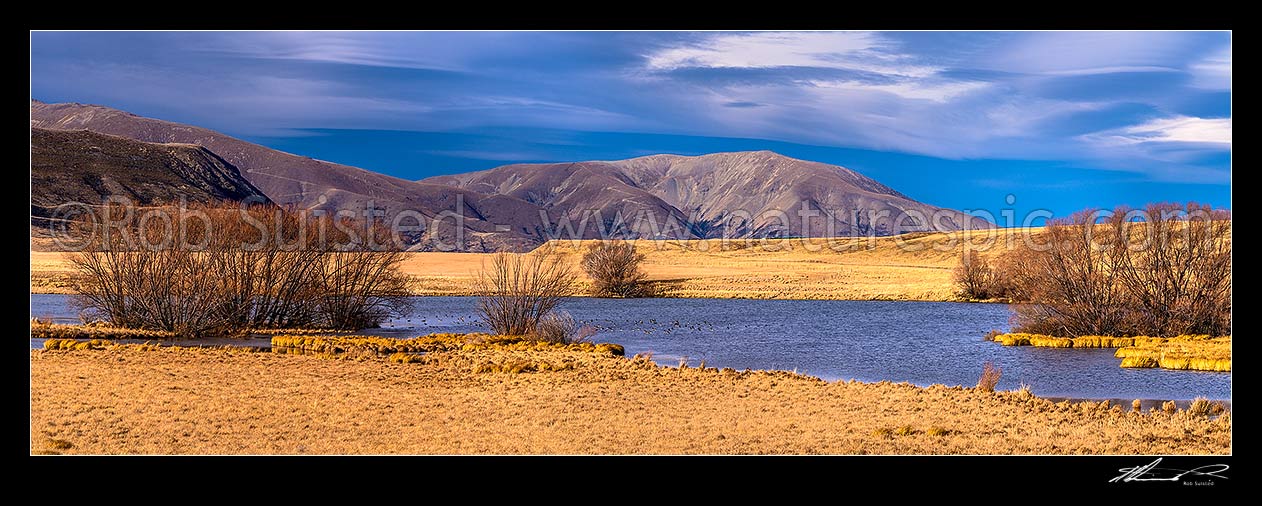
[(1060, 121)]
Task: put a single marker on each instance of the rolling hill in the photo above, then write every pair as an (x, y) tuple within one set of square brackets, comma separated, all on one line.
[(756, 194), (491, 222), (86, 167), (740, 195)]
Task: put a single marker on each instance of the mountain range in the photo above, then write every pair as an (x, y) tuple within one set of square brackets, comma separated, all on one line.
[(89, 152), (84, 166)]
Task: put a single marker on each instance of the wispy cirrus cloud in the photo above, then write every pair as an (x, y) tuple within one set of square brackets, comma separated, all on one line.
[(1178, 129), (862, 51), (934, 91), (1154, 104), (993, 95), (852, 61), (350, 48), (1213, 71)]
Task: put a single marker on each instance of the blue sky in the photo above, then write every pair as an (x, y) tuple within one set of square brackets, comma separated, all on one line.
[(1060, 120)]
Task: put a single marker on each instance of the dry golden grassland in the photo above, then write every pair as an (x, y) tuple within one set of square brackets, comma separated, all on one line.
[(133, 399), (1197, 353), (907, 267)]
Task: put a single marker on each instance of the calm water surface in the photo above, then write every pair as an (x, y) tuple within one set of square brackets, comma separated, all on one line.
[(917, 342)]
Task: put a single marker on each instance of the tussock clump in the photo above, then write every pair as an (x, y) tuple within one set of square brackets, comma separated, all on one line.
[(1200, 406), (1051, 342), (518, 366), (1169, 407), (60, 444), (1140, 362), (301, 332), (1023, 393), (1013, 339), (406, 358), (73, 344), (990, 377)]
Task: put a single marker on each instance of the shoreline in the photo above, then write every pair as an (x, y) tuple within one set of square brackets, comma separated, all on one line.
[(225, 401), (697, 296), (264, 343)]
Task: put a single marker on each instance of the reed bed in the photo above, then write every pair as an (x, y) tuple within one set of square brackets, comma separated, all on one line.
[(395, 348), (301, 332), (1042, 341), (41, 330), (74, 344), (1188, 353)]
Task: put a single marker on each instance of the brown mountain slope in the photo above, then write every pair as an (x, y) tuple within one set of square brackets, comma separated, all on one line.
[(739, 195), (491, 222), (596, 198), (743, 194), (86, 167)]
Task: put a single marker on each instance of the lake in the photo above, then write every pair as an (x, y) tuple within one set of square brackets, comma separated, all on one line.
[(918, 342)]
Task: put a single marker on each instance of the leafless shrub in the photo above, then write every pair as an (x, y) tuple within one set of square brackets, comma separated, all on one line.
[(974, 276), (1175, 268), (220, 269), (990, 377), (1167, 275), (614, 267), (560, 327), (518, 290), (360, 281)]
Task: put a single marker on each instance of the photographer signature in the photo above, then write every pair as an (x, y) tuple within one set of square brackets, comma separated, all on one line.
[(1151, 472)]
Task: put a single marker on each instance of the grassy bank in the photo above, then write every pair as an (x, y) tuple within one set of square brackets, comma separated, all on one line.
[(477, 400), (53, 331), (1196, 353), (907, 267), (369, 346)]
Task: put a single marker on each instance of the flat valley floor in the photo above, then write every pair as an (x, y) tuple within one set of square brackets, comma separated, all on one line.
[(128, 400), (908, 267)]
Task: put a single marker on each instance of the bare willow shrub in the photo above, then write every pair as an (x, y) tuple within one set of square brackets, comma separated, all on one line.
[(1163, 272), (614, 267), (561, 327), (1176, 268), (974, 277), (1071, 289), (360, 282), (268, 266), (519, 290), (222, 269), (134, 273)]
